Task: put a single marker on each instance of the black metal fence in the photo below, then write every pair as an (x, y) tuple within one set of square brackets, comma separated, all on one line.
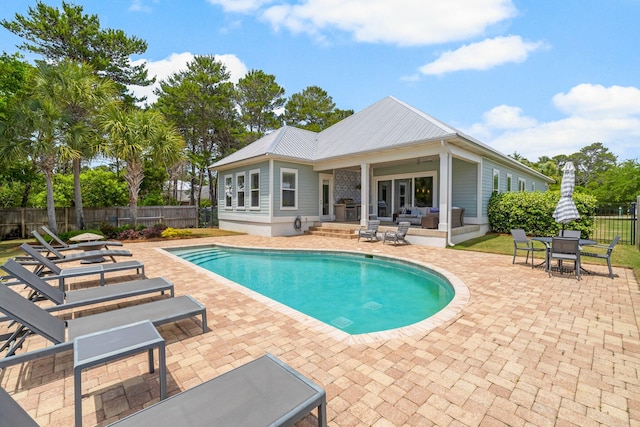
[(616, 219)]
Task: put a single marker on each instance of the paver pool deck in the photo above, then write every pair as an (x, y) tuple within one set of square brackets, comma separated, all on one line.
[(526, 350)]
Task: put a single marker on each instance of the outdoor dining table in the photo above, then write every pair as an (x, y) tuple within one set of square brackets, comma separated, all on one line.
[(547, 242)]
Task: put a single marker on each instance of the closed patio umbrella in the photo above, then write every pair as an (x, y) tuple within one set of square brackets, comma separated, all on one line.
[(566, 210)]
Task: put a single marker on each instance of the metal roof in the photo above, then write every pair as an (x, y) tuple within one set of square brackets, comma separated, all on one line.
[(385, 124), (285, 142)]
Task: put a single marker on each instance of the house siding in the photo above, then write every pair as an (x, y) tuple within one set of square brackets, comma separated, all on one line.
[(264, 191), (464, 191), (308, 190), (487, 180)]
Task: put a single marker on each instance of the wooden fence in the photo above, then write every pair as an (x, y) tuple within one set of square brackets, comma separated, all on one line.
[(18, 222)]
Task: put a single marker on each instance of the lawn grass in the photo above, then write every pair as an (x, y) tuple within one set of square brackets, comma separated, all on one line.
[(623, 255)]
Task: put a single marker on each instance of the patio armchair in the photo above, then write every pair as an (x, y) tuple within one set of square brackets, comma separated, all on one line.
[(522, 243), (397, 235), (564, 249), (371, 231), (570, 233), (606, 256)]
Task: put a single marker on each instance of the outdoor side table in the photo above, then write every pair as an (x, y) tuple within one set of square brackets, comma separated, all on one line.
[(104, 346)]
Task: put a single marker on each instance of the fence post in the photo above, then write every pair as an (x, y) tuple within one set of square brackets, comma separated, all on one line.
[(637, 207)]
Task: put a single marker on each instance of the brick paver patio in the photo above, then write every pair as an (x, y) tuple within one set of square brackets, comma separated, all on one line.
[(527, 350)]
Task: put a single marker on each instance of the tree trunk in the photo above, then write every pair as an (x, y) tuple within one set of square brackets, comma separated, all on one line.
[(77, 195), (134, 175), (51, 207)]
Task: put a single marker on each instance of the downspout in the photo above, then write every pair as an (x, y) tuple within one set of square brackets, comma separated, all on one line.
[(449, 191)]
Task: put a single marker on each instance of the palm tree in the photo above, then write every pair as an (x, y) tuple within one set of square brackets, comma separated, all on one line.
[(33, 130), (79, 95), (134, 136)]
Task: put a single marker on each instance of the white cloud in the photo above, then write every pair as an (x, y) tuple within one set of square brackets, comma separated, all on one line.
[(587, 100), (482, 55), (177, 62), (400, 22), (617, 127), (139, 6), (241, 6)]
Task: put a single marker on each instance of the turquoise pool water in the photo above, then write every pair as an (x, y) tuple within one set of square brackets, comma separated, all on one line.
[(352, 292)]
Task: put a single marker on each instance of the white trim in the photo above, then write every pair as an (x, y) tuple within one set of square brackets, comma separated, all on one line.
[(251, 190), (295, 189), (242, 190)]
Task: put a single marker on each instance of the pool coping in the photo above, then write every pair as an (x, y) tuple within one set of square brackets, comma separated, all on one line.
[(460, 299)]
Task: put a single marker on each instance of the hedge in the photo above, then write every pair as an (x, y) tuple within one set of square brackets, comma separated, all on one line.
[(533, 212)]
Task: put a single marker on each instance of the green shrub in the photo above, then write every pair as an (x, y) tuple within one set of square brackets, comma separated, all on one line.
[(533, 212), (170, 233)]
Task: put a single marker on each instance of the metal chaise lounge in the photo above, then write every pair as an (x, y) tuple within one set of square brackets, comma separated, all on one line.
[(61, 245), (398, 235), (33, 319), (263, 392), (89, 256), (49, 270), (84, 297)]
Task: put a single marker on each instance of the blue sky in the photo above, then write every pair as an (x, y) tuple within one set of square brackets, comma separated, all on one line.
[(536, 77)]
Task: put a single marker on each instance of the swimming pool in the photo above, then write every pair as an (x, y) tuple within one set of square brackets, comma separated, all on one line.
[(355, 293)]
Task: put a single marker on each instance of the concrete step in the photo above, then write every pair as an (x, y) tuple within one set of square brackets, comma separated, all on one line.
[(328, 231)]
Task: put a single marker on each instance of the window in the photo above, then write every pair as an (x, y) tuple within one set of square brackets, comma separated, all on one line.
[(228, 192), (254, 182), (240, 190), (423, 195), (522, 185), (496, 180), (289, 186), (509, 182), (533, 186)]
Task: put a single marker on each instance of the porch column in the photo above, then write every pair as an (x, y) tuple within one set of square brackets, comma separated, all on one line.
[(445, 179), (365, 191)]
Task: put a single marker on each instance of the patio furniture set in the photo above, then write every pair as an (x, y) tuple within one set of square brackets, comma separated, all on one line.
[(568, 246), (429, 217), (396, 236), (265, 391)]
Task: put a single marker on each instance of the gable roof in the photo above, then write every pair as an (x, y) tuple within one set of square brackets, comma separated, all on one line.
[(388, 123), (288, 141)]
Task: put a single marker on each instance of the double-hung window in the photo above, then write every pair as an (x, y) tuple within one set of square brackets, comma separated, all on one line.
[(522, 186), (289, 186), (254, 188), (228, 191), (240, 191), (496, 180)]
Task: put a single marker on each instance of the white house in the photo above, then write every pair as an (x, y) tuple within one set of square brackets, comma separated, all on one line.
[(389, 160)]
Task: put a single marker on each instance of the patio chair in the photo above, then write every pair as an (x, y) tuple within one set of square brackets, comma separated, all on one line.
[(570, 233), (371, 231), (49, 270), (397, 235), (31, 319), (61, 245), (606, 256), (522, 243), (264, 391), (84, 297), (90, 255), (565, 249)]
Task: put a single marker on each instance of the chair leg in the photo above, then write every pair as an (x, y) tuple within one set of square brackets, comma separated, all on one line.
[(610, 269)]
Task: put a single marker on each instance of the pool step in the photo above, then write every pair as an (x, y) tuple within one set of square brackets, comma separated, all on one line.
[(329, 231)]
